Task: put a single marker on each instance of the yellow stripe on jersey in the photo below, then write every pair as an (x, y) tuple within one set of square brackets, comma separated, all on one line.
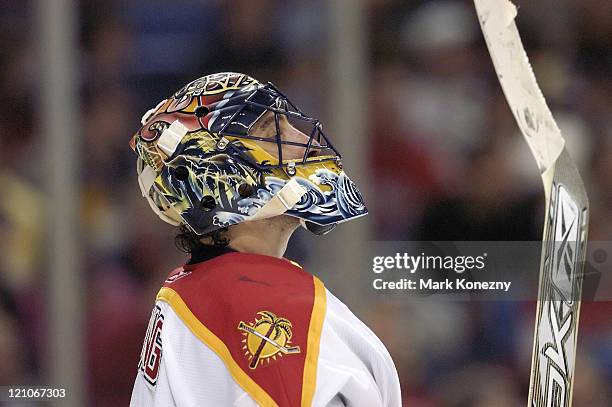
[(319, 307), (171, 297)]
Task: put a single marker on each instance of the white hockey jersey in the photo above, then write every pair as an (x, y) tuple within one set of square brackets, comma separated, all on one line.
[(251, 330)]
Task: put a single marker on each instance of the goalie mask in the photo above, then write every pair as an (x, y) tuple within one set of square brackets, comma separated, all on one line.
[(202, 162)]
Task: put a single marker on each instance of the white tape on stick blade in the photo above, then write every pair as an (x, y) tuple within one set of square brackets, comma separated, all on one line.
[(518, 81)]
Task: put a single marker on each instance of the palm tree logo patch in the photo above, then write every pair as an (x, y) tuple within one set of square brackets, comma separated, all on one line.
[(266, 338)]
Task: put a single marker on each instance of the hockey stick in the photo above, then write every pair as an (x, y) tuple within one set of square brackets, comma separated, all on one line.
[(566, 220)]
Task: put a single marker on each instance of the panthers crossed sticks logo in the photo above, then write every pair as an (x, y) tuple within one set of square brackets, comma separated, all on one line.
[(266, 338)]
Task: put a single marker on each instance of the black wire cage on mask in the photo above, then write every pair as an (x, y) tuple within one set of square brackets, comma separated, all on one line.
[(236, 115)]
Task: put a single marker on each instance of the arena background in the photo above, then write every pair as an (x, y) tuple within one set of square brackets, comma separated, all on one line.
[(407, 90)]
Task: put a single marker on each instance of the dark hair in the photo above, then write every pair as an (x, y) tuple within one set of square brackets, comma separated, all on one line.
[(186, 240)]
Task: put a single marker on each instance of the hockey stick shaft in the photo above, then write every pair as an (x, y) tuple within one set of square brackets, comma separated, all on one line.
[(566, 219)]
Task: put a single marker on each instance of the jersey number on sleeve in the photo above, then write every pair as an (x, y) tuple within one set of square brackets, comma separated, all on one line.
[(150, 356)]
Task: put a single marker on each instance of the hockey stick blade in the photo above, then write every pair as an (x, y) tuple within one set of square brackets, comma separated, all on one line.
[(566, 219)]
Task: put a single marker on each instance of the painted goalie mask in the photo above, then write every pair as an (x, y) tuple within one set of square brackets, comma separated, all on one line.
[(201, 164)]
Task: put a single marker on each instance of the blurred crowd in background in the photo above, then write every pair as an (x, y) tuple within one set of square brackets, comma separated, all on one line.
[(441, 139)]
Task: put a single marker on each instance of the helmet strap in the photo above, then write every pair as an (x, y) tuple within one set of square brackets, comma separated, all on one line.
[(146, 179)]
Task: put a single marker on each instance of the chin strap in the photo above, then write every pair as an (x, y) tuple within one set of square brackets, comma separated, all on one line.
[(285, 199)]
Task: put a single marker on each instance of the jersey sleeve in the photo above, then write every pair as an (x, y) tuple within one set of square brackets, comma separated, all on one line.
[(354, 367)]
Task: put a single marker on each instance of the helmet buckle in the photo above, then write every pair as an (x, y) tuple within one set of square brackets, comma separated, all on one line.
[(222, 143), (291, 169)]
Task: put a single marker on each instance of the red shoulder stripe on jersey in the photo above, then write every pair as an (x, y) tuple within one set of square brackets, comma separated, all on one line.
[(263, 316)]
